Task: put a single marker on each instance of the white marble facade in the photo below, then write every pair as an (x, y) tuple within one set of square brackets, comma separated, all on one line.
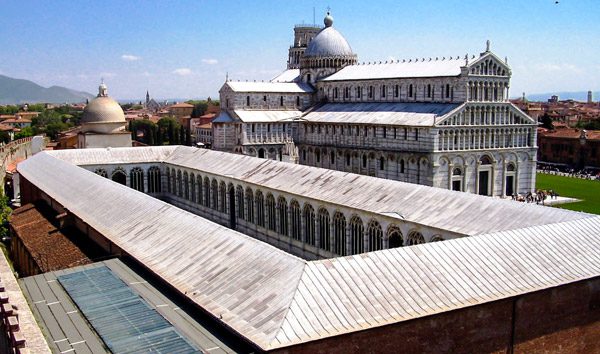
[(444, 122)]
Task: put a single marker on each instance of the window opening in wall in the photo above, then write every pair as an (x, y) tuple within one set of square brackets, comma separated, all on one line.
[(395, 135), (281, 101), (297, 100), (405, 133), (308, 78), (417, 134), (347, 159), (253, 127), (227, 102), (364, 161), (332, 157), (382, 163), (447, 90), (396, 90), (247, 100), (410, 90), (383, 91), (357, 130), (357, 235), (370, 91), (402, 166), (385, 132), (335, 92), (318, 156), (428, 90), (265, 98)]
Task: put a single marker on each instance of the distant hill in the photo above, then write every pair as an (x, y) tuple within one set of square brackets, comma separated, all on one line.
[(15, 91), (577, 96)]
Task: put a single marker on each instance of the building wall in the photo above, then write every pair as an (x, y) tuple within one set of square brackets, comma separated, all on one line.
[(569, 151), (564, 319)]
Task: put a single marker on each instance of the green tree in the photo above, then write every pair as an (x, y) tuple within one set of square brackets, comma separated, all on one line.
[(4, 137), (169, 130), (5, 212), (54, 128), (25, 132)]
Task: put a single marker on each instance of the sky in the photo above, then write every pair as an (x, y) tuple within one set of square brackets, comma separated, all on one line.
[(185, 49)]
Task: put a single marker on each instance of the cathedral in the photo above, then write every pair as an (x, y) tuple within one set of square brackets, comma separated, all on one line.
[(444, 122)]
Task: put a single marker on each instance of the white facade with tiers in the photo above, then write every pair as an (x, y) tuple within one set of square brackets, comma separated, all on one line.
[(442, 122)]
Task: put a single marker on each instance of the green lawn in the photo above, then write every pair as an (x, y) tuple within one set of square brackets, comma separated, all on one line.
[(585, 190)]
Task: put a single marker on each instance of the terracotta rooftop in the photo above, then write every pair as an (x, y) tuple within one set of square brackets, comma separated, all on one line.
[(41, 237), (570, 133), (182, 105)]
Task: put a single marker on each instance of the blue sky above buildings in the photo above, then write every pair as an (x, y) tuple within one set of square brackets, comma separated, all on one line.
[(185, 48)]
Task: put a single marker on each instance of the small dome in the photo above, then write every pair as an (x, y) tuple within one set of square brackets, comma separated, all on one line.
[(328, 42), (103, 109), (103, 114)]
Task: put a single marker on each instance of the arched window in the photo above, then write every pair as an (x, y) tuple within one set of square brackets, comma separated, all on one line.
[(214, 194), (101, 172), (282, 208), (186, 186), (206, 186), (410, 90), (250, 204), (415, 238), (456, 171), (296, 223), (429, 90), (356, 235), (247, 100), (324, 229), (332, 157), (271, 212), (179, 184), (394, 237), (382, 163), (193, 187), (260, 209), (375, 236), (281, 100), (402, 166), (239, 196), (222, 197), (297, 100), (309, 224), (364, 161), (436, 238), (119, 176), (339, 233), (200, 195), (169, 184), (154, 180), (136, 179)]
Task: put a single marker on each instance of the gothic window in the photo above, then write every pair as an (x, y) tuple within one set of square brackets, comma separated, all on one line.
[(247, 100), (402, 166), (199, 199), (298, 101), (356, 235), (186, 186), (364, 161), (370, 91), (179, 184), (270, 209), (394, 237), (222, 197), (318, 155), (281, 101), (214, 194), (382, 163), (250, 204), (339, 234), (239, 196), (136, 179), (119, 176), (375, 236), (447, 90), (154, 180), (396, 90), (428, 90), (324, 230), (383, 89), (206, 199), (415, 238), (309, 224), (332, 157), (347, 92), (101, 172), (347, 159), (296, 223), (410, 90), (282, 208), (169, 184), (193, 187), (335, 92), (260, 209), (436, 238)]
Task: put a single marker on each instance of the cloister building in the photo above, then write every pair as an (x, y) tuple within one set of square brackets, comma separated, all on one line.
[(444, 122)]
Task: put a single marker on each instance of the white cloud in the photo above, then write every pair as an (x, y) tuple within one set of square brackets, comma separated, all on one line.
[(210, 61), (129, 57), (183, 71)]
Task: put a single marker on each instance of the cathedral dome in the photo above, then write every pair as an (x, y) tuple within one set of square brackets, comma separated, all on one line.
[(328, 42), (102, 114)]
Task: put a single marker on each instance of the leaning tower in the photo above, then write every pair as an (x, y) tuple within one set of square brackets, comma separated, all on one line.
[(303, 34)]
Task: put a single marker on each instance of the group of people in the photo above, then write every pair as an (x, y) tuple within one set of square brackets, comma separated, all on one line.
[(569, 172), (538, 197)]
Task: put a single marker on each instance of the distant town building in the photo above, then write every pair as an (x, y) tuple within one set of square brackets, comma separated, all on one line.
[(443, 122), (576, 148)]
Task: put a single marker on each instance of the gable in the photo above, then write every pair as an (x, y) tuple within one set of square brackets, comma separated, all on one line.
[(470, 114), (489, 65)]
